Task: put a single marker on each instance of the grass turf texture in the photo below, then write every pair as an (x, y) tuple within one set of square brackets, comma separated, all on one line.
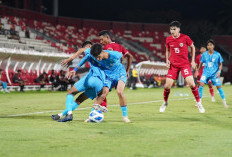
[(180, 131)]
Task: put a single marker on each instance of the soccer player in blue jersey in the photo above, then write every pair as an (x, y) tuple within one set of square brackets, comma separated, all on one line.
[(91, 85), (115, 76), (212, 70)]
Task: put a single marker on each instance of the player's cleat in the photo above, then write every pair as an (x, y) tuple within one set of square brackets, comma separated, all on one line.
[(163, 106), (87, 120), (224, 103), (6, 91), (55, 117), (213, 99), (200, 107), (126, 120), (68, 117), (100, 108)]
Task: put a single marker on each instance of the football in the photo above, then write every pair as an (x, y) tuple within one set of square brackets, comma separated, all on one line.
[(96, 116)]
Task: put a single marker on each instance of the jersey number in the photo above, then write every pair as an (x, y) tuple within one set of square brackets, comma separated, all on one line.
[(177, 50), (186, 72)]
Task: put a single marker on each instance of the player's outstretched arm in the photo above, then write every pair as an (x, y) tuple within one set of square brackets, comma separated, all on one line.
[(193, 51), (167, 57), (78, 53)]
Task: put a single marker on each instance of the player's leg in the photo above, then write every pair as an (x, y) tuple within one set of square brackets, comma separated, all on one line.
[(4, 86), (210, 85), (122, 100), (218, 84)]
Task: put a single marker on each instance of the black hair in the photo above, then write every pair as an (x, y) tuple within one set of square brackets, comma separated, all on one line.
[(202, 46), (96, 49), (211, 41), (86, 43), (175, 24), (104, 33), (1, 70)]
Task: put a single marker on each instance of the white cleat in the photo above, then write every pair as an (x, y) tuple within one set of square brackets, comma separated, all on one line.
[(213, 99), (200, 107), (163, 106), (224, 103), (126, 120), (87, 120), (100, 108)]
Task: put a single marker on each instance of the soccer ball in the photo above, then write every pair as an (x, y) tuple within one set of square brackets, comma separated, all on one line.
[(96, 116)]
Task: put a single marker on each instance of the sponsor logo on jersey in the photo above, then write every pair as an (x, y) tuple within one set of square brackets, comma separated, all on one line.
[(181, 44)]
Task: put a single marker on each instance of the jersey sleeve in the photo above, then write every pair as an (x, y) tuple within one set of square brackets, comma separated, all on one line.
[(83, 60), (124, 51), (87, 51), (220, 59), (108, 47), (189, 41), (115, 55), (202, 58)]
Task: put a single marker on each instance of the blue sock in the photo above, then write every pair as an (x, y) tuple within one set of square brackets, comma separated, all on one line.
[(124, 111), (92, 109), (4, 85), (74, 105), (69, 100), (221, 92), (200, 90)]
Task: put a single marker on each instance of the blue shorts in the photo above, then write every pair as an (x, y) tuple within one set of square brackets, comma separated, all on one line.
[(215, 80), (90, 85), (112, 81)]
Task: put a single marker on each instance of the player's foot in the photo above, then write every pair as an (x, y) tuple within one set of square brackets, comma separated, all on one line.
[(68, 117), (100, 108), (126, 120), (225, 104), (200, 107), (6, 91), (87, 120), (196, 104), (163, 106), (55, 117), (213, 99)]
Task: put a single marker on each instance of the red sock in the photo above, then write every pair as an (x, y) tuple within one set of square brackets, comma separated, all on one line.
[(196, 93), (104, 103), (166, 94), (211, 91)]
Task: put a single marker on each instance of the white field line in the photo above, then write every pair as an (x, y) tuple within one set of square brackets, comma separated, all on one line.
[(135, 103)]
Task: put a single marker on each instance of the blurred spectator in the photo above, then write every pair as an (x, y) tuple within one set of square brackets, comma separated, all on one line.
[(134, 78), (17, 78), (2, 82), (153, 82), (144, 80), (42, 80), (54, 79), (63, 81)]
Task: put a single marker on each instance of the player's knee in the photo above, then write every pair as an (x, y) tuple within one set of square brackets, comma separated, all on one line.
[(120, 93), (167, 86), (218, 87)]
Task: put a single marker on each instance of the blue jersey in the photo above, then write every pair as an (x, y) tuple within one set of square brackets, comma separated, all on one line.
[(211, 62), (95, 67)]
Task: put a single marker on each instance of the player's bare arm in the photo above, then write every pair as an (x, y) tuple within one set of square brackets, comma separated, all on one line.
[(167, 57), (220, 69), (193, 51), (129, 62), (78, 53)]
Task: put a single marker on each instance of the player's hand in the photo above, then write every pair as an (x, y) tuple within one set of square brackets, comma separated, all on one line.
[(71, 74), (65, 61), (218, 74), (196, 73), (127, 73), (168, 64), (193, 64)]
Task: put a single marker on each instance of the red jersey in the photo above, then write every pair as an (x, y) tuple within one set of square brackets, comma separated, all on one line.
[(116, 47), (198, 59), (179, 49)]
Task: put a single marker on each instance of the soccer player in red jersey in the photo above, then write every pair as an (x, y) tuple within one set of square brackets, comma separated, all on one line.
[(177, 61), (199, 73)]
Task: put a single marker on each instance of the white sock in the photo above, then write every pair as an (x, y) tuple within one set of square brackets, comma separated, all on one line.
[(69, 112), (60, 114)]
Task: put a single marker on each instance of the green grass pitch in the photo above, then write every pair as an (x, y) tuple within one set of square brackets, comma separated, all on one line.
[(26, 128)]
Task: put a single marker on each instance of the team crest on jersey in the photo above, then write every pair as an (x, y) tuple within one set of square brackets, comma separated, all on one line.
[(213, 59), (181, 44)]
